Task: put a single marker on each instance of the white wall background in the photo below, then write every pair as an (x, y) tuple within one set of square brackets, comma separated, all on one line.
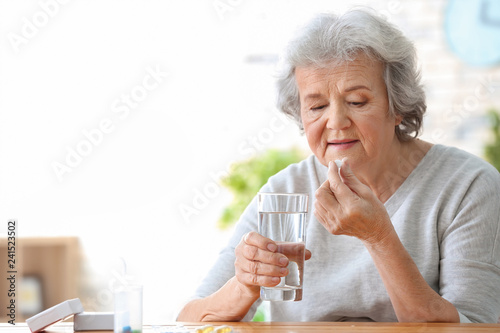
[(69, 73)]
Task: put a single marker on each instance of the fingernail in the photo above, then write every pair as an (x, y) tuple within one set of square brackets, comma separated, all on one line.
[(272, 247), (330, 165), (276, 279), (283, 271), (283, 261)]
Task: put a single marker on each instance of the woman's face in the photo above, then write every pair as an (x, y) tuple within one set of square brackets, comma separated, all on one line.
[(344, 110)]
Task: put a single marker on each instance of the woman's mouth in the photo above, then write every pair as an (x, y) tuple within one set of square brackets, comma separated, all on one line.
[(341, 144)]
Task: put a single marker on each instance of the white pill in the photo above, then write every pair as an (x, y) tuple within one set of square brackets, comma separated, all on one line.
[(339, 163)]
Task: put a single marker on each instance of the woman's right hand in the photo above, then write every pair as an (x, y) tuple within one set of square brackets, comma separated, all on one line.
[(257, 262)]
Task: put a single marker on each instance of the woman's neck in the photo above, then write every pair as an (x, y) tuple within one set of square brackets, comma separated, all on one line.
[(401, 159)]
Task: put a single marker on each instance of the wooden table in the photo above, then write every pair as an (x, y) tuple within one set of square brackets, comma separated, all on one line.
[(316, 327)]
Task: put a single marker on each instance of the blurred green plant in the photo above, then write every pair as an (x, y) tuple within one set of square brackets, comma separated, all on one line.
[(245, 179), (492, 150), (259, 314)]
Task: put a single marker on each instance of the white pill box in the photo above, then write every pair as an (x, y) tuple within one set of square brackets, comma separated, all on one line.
[(93, 321), (52, 315)]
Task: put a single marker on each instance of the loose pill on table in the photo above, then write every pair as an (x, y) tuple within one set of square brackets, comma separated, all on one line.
[(205, 329), (224, 329)]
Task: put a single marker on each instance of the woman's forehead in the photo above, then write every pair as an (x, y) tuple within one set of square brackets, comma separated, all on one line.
[(362, 70), (332, 66)]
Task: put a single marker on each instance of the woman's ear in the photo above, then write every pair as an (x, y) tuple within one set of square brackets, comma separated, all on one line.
[(398, 119)]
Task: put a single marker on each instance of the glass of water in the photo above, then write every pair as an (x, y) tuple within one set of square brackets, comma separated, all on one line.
[(128, 309), (282, 218)]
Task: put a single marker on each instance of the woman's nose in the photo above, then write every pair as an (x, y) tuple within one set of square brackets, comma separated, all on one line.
[(337, 118)]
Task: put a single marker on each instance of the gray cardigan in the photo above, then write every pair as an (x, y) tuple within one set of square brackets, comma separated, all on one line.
[(447, 215)]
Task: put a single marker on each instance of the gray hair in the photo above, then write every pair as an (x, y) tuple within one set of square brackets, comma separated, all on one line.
[(329, 37)]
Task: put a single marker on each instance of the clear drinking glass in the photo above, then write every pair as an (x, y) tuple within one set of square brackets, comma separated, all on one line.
[(128, 309), (282, 218)]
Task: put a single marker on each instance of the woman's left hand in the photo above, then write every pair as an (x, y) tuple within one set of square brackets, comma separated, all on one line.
[(348, 207)]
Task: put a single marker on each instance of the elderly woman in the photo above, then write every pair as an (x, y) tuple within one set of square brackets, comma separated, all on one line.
[(404, 231)]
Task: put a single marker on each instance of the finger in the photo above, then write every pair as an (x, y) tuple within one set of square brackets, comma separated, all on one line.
[(252, 252), (324, 217), (256, 239), (328, 209), (320, 214), (259, 268), (257, 280), (308, 255), (293, 251), (350, 179), (325, 195), (333, 176), (341, 191), (319, 209), (325, 204)]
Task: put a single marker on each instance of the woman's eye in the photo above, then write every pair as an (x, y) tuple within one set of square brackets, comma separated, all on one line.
[(354, 103), (316, 108)]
